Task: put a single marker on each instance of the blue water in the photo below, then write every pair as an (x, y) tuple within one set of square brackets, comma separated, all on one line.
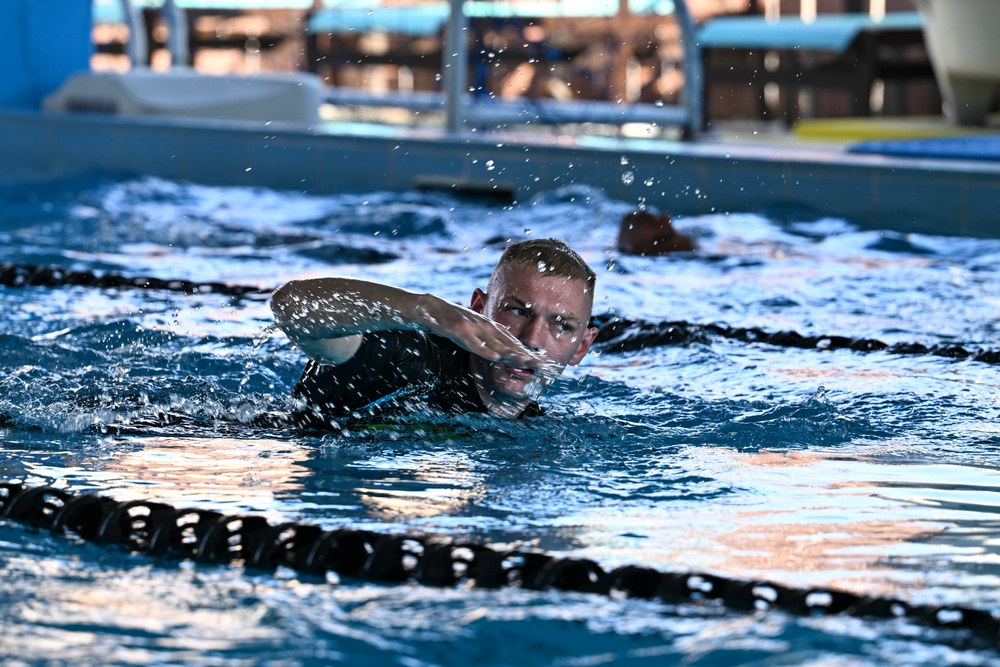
[(872, 473)]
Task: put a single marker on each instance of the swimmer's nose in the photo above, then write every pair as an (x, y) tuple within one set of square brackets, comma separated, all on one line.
[(532, 335)]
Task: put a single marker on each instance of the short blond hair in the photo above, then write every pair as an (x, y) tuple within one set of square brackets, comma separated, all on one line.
[(552, 256)]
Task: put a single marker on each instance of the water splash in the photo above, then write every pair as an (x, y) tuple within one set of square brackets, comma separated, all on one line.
[(253, 356)]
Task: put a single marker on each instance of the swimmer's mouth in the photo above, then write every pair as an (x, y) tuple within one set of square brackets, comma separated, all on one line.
[(522, 371)]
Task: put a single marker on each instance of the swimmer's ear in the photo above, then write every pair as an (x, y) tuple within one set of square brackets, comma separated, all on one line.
[(585, 343), (478, 300)]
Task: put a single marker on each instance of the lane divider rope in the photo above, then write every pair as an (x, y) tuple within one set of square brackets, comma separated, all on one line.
[(26, 275), (207, 536), (617, 334)]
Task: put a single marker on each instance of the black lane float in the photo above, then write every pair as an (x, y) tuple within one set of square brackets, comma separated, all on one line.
[(207, 536), (617, 334)]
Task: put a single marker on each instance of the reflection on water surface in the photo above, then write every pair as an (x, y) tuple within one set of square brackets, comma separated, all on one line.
[(869, 472)]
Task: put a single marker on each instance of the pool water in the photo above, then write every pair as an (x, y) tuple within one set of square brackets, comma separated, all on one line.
[(869, 472)]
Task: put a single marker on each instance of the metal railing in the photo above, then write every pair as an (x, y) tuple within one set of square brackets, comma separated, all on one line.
[(461, 109), (465, 110)]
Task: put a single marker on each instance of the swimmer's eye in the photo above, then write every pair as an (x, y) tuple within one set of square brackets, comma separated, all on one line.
[(564, 326), (517, 310)]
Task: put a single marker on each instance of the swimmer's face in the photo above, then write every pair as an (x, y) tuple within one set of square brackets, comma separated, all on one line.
[(549, 314)]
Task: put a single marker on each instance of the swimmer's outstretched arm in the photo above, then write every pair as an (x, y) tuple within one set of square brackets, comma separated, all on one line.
[(325, 317)]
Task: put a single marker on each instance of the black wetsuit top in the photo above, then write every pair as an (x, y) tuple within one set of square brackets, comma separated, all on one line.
[(394, 371)]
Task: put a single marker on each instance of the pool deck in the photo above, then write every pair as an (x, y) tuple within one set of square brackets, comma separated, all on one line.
[(771, 175)]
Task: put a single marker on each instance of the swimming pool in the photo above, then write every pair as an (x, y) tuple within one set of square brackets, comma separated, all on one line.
[(869, 472)]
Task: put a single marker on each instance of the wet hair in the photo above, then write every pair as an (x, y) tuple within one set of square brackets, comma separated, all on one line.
[(553, 257)]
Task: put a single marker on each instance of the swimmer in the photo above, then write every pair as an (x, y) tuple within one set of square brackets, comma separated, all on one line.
[(647, 234), (371, 344)]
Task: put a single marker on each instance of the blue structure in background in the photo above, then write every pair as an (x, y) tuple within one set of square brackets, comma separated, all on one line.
[(972, 147), (44, 46), (429, 18)]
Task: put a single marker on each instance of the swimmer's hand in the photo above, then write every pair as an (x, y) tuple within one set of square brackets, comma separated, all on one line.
[(475, 333)]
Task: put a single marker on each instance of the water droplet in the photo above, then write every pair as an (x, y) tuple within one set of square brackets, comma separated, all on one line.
[(624, 160), (534, 389), (628, 177), (490, 166)]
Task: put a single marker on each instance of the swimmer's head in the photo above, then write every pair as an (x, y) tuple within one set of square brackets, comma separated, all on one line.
[(542, 292)]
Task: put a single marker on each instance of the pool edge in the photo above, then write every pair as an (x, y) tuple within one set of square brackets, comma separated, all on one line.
[(932, 196)]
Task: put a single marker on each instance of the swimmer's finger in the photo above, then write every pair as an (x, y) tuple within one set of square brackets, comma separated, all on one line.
[(476, 333), (507, 349), (514, 351), (489, 340), (534, 362), (468, 328), (513, 354)]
